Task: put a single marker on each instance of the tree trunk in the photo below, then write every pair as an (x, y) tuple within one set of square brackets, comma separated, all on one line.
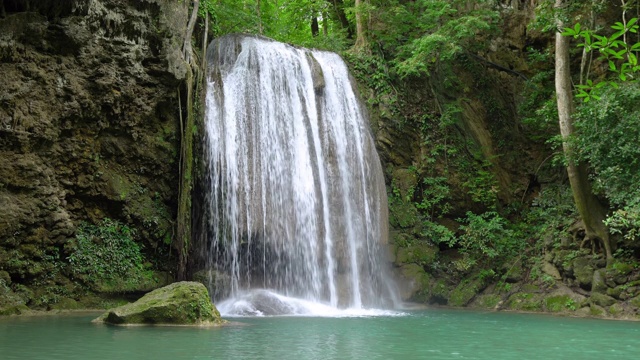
[(338, 8), (259, 14), (361, 40), (315, 27), (183, 233), (325, 23), (186, 46), (589, 208)]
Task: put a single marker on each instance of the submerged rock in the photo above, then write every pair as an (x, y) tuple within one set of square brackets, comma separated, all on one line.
[(181, 303)]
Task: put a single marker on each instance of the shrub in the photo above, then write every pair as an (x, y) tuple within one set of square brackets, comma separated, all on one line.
[(105, 252)]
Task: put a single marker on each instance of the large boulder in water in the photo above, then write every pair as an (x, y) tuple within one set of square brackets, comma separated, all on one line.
[(181, 303)]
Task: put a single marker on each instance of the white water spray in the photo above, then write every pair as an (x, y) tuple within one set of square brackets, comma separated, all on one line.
[(297, 201)]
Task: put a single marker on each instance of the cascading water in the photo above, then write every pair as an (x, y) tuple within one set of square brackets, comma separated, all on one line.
[(297, 202)]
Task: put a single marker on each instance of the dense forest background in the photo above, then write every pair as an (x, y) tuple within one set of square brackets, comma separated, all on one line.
[(508, 130)]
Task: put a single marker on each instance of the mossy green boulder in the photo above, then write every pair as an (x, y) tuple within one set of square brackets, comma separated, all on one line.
[(181, 303)]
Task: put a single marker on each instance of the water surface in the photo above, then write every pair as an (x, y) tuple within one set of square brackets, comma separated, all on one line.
[(431, 334)]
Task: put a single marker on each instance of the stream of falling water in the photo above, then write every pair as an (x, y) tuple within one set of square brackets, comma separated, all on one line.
[(296, 196)]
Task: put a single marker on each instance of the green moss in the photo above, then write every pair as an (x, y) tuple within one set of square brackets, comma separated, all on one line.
[(13, 310), (420, 253), (489, 301), (622, 268), (530, 288), (402, 214), (66, 304), (184, 303), (402, 210), (420, 279), (615, 292), (524, 301), (464, 293), (595, 310), (559, 303), (601, 299), (616, 309)]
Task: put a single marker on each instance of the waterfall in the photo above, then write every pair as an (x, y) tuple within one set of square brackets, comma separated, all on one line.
[(297, 209)]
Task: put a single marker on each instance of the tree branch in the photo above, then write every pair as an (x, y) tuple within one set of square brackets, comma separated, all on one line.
[(498, 67)]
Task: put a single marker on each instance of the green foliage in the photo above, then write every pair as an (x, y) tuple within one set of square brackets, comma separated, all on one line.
[(551, 212), (371, 70), (285, 20), (609, 130), (104, 253), (482, 185), (489, 235), (443, 30), (620, 55), (625, 221)]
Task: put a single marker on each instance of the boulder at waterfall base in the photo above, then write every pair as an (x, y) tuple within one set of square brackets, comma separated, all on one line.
[(181, 303)]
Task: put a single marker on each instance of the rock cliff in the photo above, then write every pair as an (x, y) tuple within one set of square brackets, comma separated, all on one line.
[(88, 123)]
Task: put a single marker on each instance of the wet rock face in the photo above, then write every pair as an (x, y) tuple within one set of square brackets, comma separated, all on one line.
[(88, 122)]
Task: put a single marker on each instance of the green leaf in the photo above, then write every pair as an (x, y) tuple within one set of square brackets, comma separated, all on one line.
[(612, 65), (618, 26), (620, 53), (631, 22), (616, 35)]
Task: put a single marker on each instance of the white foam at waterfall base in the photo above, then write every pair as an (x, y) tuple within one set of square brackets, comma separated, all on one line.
[(263, 302)]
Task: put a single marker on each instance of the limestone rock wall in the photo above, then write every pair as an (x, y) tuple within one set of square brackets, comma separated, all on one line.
[(88, 126)]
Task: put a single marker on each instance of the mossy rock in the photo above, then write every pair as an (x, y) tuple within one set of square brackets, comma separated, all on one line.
[(402, 214), (66, 304), (416, 283), (635, 301), (439, 292), (13, 310), (513, 271), (598, 284), (181, 303), (595, 310), (602, 299), (560, 303), (405, 181), (583, 272), (616, 310), (487, 301), (530, 288), (418, 253), (465, 292), (524, 301), (10, 302), (616, 292), (621, 268)]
